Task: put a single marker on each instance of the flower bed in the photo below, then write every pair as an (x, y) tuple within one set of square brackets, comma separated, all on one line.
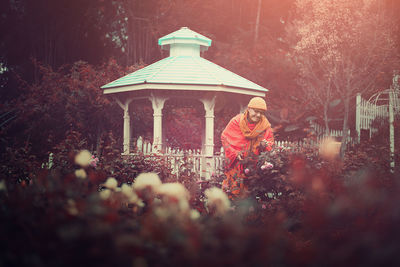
[(302, 210)]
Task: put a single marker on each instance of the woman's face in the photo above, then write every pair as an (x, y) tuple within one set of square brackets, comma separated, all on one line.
[(255, 115)]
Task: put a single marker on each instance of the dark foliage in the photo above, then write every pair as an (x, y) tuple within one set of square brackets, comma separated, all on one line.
[(303, 210)]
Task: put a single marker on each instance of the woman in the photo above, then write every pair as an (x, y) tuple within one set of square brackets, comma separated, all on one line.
[(245, 135)]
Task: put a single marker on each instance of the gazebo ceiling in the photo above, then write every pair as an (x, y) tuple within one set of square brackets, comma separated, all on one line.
[(184, 69)]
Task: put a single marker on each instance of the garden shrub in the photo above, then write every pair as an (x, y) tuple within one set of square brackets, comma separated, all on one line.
[(302, 210)]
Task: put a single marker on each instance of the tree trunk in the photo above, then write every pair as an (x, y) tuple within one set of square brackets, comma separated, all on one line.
[(326, 118), (257, 26), (99, 142), (345, 125)]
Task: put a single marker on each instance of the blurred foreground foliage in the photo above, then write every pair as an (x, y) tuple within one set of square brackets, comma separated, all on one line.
[(303, 211)]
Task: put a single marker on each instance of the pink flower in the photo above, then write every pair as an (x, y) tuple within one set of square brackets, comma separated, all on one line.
[(246, 171), (93, 161), (267, 166), (263, 206)]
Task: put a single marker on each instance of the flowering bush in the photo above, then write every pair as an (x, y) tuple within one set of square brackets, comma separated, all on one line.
[(302, 210)]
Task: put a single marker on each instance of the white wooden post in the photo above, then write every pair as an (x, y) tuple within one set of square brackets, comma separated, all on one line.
[(371, 117), (358, 115), (157, 104), (203, 141), (391, 129), (139, 144), (209, 131), (127, 127), (208, 153)]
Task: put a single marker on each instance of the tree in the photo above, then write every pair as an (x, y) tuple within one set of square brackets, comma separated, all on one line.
[(313, 79), (343, 48), (131, 26), (69, 99), (52, 32)]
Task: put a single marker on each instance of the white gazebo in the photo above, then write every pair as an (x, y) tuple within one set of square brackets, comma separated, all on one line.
[(183, 74)]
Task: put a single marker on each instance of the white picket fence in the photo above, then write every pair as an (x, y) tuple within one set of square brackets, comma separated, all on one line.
[(368, 110), (320, 130), (193, 161), (179, 160), (384, 105), (321, 134), (366, 113)]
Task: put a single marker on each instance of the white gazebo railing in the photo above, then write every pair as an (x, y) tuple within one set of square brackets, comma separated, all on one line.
[(180, 160)]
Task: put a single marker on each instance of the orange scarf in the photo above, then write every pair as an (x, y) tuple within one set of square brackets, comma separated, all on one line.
[(257, 133)]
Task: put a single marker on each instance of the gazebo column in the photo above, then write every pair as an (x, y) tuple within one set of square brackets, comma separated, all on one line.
[(127, 127), (157, 104), (208, 151)]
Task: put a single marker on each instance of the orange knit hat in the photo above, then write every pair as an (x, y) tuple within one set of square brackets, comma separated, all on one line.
[(257, 103)]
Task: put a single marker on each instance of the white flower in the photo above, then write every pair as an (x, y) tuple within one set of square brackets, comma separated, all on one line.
[(127, 190), (173, 189), (80, 174), (72, 211), (139, 202), (71, 207), (111, 183), (83, 158), (329, 149), (134, 199), (105, 194), (144, 180), (162, 213), (176, 190), (174, 193), (3, 186), (194, 214), (217, 200)]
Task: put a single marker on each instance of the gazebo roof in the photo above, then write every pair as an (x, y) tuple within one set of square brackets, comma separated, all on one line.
[(185, 70)]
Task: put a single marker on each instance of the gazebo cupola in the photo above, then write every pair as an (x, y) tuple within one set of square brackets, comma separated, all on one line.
[(183, 74), (184, 42)]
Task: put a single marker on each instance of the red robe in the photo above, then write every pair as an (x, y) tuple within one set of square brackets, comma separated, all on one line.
[(234, 142)]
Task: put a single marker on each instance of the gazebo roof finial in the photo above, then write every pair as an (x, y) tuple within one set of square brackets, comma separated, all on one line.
[(184, 42)]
